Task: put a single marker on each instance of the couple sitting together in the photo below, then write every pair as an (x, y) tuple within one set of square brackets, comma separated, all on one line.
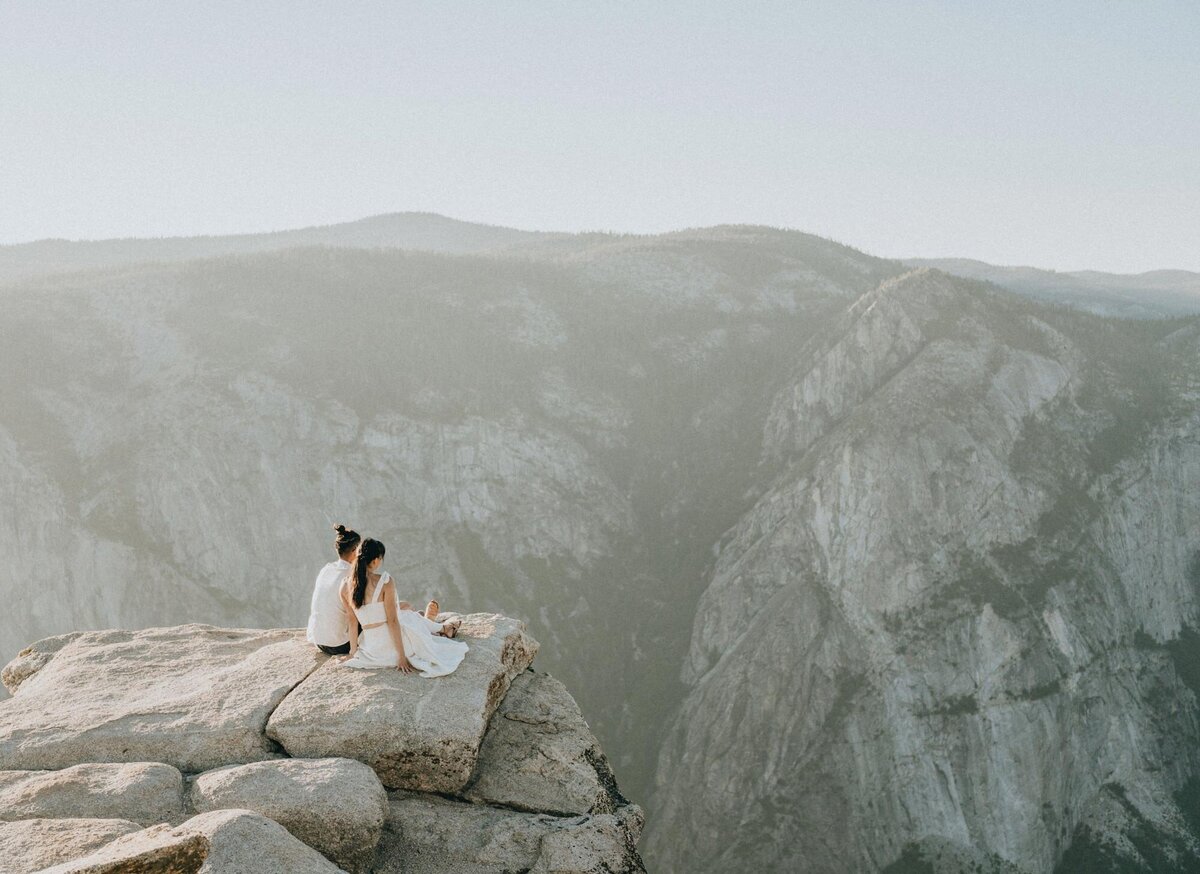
[(357, 612)]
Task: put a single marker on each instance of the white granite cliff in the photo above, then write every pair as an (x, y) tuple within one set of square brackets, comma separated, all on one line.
[(951, 626)]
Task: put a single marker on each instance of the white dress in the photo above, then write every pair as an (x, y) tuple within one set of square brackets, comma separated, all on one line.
[(431, 654)]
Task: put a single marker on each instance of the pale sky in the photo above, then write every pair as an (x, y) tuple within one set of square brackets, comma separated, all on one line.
[(1060, 134)]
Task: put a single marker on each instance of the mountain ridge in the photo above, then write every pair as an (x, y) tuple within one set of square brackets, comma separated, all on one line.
[(409, 230), (1150, 294)]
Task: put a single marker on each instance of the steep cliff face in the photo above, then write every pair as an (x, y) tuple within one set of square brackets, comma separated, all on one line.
[(954, 613)]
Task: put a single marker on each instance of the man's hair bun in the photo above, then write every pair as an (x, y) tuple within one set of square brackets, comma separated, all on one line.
[(345, 539)]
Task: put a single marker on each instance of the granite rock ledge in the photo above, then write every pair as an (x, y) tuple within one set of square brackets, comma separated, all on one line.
[(203, 749)]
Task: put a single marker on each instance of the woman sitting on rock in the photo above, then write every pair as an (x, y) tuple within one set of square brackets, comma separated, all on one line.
[(393, 634)]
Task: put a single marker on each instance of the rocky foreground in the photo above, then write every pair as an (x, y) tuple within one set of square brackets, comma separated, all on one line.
[(204, 749)]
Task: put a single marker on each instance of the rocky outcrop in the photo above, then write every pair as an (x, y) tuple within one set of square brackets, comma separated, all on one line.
[(429, 835), (336, 806), (144, 792), (30, 845), (516, 743), (33, 658), (220, 842), (415, 736), (196, 698), (539, 755)]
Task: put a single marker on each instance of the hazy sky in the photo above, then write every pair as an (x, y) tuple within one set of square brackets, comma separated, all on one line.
[(1061, 134)]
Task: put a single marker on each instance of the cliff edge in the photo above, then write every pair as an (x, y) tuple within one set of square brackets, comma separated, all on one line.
[(204, 749)]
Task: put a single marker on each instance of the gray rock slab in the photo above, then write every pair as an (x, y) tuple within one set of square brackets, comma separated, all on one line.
[(143, 792), (220, 842), (33, 844), (429, 835), (336, 806), (416, 733), (194, 696), (539, 754)]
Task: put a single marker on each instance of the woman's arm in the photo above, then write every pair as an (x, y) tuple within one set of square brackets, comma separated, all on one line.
[(352, 620), (397, 633)]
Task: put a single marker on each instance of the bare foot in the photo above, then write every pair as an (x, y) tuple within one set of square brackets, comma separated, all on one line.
[(432, 609)]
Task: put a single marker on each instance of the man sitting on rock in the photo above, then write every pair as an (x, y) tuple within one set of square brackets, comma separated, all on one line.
[(328, 624)]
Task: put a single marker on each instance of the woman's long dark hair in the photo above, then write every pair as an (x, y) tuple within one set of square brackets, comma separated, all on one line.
[(367, 553), (346, 539)]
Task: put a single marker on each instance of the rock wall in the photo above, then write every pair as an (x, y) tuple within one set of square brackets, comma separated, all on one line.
[(952, 621)]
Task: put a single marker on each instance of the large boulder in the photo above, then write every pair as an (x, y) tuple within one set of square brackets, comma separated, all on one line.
[(194, 696), (220, 842), (417, 733), (144, 792), (33, 844), (336, 806), (539, 754), (427, 835)]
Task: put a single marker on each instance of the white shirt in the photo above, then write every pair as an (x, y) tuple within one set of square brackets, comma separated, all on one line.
[(327, 621)]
